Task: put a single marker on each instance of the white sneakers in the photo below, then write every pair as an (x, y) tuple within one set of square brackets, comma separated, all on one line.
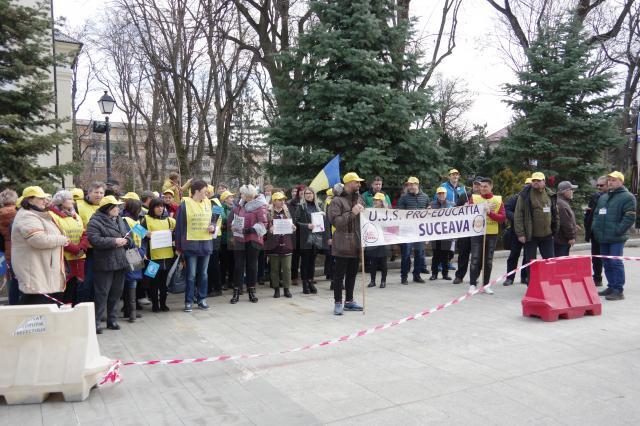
[(472, 288), (487, 290)]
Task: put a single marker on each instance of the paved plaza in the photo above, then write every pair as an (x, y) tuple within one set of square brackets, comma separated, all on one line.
[(479, 362)]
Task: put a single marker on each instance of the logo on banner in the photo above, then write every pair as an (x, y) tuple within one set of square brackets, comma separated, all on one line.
[(478, 224), (370, 233)]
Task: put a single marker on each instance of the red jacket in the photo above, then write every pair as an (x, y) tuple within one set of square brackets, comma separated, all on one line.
[(7, 213), (499, 217), (255, 211)]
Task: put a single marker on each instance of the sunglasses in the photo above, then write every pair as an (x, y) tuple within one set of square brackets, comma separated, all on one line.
[(600, 185)]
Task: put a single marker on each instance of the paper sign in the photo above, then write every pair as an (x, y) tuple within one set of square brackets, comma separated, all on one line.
[(152, 269), (31, 325), (237, 226), (282, 226), (317, 219), (161, 239), (139, 230)]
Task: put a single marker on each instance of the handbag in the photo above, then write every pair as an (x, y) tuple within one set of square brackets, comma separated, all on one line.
[(176, 278), (136, 262), (315, 239)]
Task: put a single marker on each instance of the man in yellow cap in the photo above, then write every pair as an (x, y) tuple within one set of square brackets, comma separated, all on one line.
[(615, 214), (602, 187), (86, 209), (413, 199), (343, 213), (536, 219), (513, 244)]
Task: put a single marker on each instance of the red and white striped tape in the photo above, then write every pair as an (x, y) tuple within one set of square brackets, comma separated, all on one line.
[(113, 374)]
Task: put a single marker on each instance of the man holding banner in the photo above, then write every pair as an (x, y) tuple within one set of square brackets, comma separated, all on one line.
[(344, 214), (482, 247), (413, 199)]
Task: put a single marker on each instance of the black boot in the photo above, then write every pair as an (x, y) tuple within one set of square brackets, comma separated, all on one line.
[(372, 284), (305, 287), (287, 293), (383, 284), (163, 301), (252, 295), (276, 293), (131, 292), (312, 288), (433, 277), (445, 275), (126, 303), (235, 297)]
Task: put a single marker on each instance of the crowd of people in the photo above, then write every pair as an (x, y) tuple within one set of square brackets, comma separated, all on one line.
[(98, 245)]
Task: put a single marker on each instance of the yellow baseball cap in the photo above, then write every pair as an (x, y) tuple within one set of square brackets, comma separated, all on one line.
[(452, 171), (168, 191), (110, 199), (352, 177), (77, 193), (329, 192), (277, 196), (527, 181), (617, 175), (19, 202), (441, 189), (413, 179), (537, 176), (33, 191), (131, 196), (227, 194), (379, 196)]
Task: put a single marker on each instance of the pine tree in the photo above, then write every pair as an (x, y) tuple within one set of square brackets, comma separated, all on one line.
[(352, 98), (561, 121), (27, 125)]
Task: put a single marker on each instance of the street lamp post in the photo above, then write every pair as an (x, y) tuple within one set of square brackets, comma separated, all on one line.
[(106, 104)]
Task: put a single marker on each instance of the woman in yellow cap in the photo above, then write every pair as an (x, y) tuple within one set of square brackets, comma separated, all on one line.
[(441, 248), (168, 197), (131, 216), (279, 247), (376, 257), (36, 249), (107, 234)]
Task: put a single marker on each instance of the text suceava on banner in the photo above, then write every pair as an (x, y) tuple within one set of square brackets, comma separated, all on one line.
[(391, 226)]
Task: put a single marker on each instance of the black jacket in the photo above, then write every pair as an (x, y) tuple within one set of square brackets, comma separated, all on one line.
[(588, 215), (102, 232), (409, 201), (302, 218)]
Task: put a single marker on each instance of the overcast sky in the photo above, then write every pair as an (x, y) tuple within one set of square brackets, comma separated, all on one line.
[(473, 59)]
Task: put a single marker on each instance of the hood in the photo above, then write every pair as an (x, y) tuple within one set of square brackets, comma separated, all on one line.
[(256, 203)]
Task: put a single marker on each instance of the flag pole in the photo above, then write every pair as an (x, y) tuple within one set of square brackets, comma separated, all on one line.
[(484, 242), (364, 303)]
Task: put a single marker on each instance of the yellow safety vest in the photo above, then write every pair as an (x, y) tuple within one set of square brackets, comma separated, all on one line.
[(198, 219), (136, 237), (86, 210), (70, 227), (492, 226), (166, 224)]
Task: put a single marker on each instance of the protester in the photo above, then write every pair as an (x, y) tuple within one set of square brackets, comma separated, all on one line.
[(145, 199), (221, 189), (170, 206), (326, 249), (37, 250), (248, 227), (107, 234), (173, 183), (512, 243), (376, 187), (455, 194), (226, 242), (156, 221), (376, 257), (297, 193), (464, 244), (441, 248), (568, 229), (483, 247), (86, 208), (596, 262), (8, 210), (343, 215), (279, 247), (131, 215), (194, 235), (267, 192), (413, 199), (615, 214), (70, 224), (536, 219), (213, 270), (310, 238)]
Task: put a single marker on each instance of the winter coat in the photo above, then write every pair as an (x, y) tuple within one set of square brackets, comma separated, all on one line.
[(612, 226), (253, 212), (280, 245), (453, 193), (568, 228), (345, 223), (589, 215), (409, 201), (524, 214), (7, 213), (444, 244), (37, 251), (302, 219), (102, 232)]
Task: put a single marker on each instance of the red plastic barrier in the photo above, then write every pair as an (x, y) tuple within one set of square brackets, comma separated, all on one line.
[(561, 289)]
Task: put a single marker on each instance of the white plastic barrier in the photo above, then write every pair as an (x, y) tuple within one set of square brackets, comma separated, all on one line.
[(44, 349)]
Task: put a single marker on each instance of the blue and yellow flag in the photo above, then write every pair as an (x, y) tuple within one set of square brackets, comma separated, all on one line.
[(328, 176)]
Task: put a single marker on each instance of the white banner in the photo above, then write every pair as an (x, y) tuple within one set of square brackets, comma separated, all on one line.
[(390, 226)]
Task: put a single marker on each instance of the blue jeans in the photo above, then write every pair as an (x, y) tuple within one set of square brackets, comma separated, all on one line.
[(418, 259), (196, 266), (130, 283), (613, 268)]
